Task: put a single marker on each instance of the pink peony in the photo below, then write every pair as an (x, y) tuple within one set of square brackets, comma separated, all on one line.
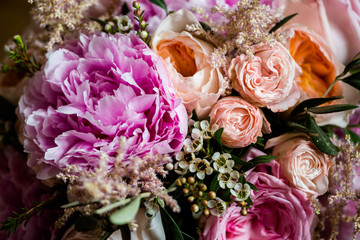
[(20, 189), (91, 93), (279, 212), (242, 122), (268, 79)]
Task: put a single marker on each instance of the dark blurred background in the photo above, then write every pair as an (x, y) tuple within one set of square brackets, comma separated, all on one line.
[(14, 17)]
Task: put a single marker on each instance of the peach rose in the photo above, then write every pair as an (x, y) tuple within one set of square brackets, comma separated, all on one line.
[(301, 162), (268, 79), (242, 122), (188, 63), (319, 69)]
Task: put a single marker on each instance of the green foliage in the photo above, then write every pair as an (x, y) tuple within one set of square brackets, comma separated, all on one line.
[(172, 230), (354, 138), (23, 62), (126, 214), (160, 3), (282, 22)]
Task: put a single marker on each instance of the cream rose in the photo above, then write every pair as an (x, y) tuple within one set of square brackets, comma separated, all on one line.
[(268, 79), (301, 162), (242, 122), (188, 63)]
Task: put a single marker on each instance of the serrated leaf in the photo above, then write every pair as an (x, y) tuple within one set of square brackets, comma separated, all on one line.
[(214, 185), (160, 3), (354, 138), (321, 140), (127, 213), (253, 187), (353, 80), (217, 135), (172, 231), (282, 22), (331, 108), (86, 223), (312, 102)]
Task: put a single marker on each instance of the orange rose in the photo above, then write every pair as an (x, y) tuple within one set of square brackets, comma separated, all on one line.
[(188, 63), (319, 69), (318, 72)]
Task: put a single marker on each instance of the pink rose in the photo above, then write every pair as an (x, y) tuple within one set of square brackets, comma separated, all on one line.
[(336, 21), (279, 212), (188, 63), (268, 79), (301, 162), (242, 122)]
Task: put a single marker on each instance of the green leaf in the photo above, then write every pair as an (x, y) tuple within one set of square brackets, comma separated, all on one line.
[(240, 161), (217, 135), (242, 179), (249, 201), (353, 80), (321, 140), (205, 26), (258, 160), (72, 204), (299, 127), (354, 138), (127, 213), (312, 102), (214, 185), (194, 115), (86, 223), (125, 9), (187, 235), (331, 108), (125, 232), (262, 159), (252, 186), (353, 64), (282, 22), (172, 231), (160, 3)]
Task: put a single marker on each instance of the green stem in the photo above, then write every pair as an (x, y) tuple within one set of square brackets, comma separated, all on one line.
[(331, 86)]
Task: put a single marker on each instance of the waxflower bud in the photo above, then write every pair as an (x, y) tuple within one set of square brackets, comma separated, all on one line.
[(136, 4), (195, 208), (191, 180)]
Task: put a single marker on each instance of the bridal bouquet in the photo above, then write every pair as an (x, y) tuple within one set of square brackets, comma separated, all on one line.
[(153, 119)]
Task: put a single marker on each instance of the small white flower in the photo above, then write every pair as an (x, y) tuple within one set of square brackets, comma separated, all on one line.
[(241, 192), (201, 167), (193, 145), (124, 23), (228, 179), (222, 162), (179, 170), (217, 207), (185, 159)]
